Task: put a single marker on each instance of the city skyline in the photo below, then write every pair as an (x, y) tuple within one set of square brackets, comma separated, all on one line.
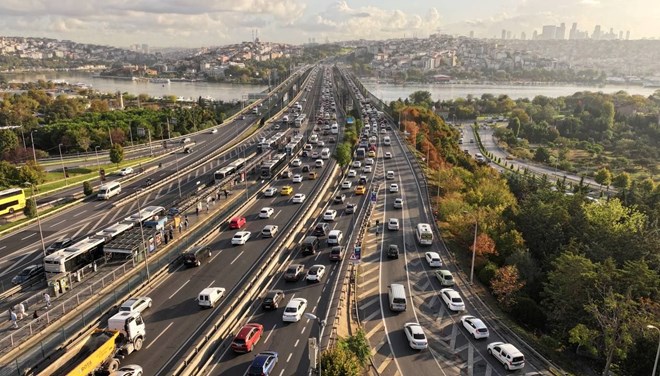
[(186, 23)]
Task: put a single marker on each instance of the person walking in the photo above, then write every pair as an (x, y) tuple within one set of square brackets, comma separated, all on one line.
[(180, 226), (47, 299), (35, 315), (20, 308), (207, 207), (185, 223), (14, 319), (171, 233)]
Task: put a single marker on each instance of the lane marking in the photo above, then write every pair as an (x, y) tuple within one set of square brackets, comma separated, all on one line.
[(158, 336), (79, 213), (236, 258), (56, 224), (179, 289), (29, 236), (296, 344), (211, 284), (289, 357), (269, 333)]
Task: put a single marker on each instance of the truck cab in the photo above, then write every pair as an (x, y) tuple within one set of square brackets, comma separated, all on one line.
[(131, 327)]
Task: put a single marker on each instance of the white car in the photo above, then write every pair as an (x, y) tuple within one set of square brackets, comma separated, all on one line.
[(126, 171), (433, 259), (266, 212), (415, 335), (296, 162), (315, 273), (329, 215), (298, 198), (507, 354), (352, 173), (393, 224), (294, 310), (321, 143), (269, 231), (452, 299), (138, 304), (394, 188), (369, 161), (241, 237), (383, 131), (366, 169), (398, 203), (308, 147), (346, 185), (214, 131), (357, 164), (474, 326), (388, 155), (270, 192), (297, 178), (128, 370)]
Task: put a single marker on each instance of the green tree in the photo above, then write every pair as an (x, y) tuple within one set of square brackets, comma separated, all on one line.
[(603, 177), (421, 98), (622, 181), (343, 154), (358, 344), (116, 154), (30, 209), (8, 140), (8, 174), (31, 172), (87, 188), (542, 155), (584, 337), (340, 361)]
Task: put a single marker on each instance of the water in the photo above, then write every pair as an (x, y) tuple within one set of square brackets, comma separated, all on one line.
[(391, 92), (219, 91)]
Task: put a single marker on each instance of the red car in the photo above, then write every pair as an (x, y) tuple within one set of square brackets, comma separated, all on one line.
[(247, 337)]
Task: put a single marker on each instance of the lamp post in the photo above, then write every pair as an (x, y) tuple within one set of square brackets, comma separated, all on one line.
[(657, 353), (474, 247), (321, 323), (146, 247), (96, 151), (36, 209), (178, 177), (59, 147), (110, 135), (34, 153)]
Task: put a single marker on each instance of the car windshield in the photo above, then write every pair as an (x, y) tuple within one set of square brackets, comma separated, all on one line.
[(456, 300), (239, 341), (419, 336), (291, 271), (313, 271), (291, 309)]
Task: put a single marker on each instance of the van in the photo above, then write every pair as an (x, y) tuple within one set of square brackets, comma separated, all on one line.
[(310, 245), (196, 255), (237, 222), (108, 190), (390, 174), (397, 296), (210, 296), (387, 141), (335, 237)]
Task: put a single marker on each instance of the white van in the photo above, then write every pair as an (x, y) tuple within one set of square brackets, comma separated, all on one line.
[(387, 141), (108, 190), (397, 296), (334, 128), (335, 237), (210, 296), (390, 174)]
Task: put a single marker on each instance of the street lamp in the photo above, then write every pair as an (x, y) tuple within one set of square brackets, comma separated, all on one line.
[(657, 353), (146, 247), (474, 247), (321, 323), (178, 177), (96, 151), (34, 153), (59, 147), (110, 135), (36, 209)]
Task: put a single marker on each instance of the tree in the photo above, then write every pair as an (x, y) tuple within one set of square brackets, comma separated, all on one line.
[(31, 172), (343, 154), (359, 345), (116, 154), (603, 177), (542, 155), (506, 284), (421, 98), (30, 209), (8, 140), (622, 181), (582, 336), (87, 188), (340, 361)]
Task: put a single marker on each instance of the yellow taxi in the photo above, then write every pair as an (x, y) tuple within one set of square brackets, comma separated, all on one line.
[(371, 154), (360, 190), (286, 190), (313, 175)]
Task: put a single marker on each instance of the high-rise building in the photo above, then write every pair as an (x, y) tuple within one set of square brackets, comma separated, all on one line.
[(573, 33), (503, 34), (523, 36), (471, 33), (508, 34), (535, 36), (560, 33), (549, 32), (597, 33), (628, 35), (621, 35)]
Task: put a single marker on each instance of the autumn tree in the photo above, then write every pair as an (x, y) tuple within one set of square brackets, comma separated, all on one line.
[(506, 284)]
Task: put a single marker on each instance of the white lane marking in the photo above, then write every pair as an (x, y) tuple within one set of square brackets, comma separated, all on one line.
[(276, 214), (99, 204), (158, 336), (58, 223), (269, 333), (281, 372), (15, 264), (79, 213), (29, 236), (236, 258), (179, 289), (317, 256), (3, 247), (211, 284), (216, 255), (80, 230), (302, 331), (289, 357), (296, 344)]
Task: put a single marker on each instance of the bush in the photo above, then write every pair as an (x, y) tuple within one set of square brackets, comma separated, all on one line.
[(87, 188), (30, 209), (528, 313), (487, 273)]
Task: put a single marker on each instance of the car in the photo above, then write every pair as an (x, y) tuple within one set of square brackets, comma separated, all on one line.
[(371, 154), (369, 161), (321, 229), (507, 354), (320, 143), (362, 180), (214, 131), (350, 208), (415, 335), (270, 192), (337, 253), (394, 188), (472, 140), (315, 155), (286, 190), (393, 251), (475, 326), (367, 169), (128, 370), (297, 178), (398, 203), (298, 198), (294, 272), (296, 162), (263, 364), (356, 164), (452, 299), (269, 231), (433, 259), (126, 171), (352, 173), (27, 273), (294, 310), (346, 184), (247, 337), (305, 168), (383, 131), (329, 215), (308, 147), (242, 117), (315, 273), (60, 244), (360, 190), (137, 304), (241, 237), (266, 212), (388, 155), (340, 198), (393, 224), (272, 299)]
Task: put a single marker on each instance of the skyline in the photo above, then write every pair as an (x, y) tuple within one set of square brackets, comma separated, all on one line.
[(187, 23)]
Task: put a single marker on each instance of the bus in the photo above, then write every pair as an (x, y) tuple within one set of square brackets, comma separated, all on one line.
[(294, 146), (300, 120), (75, 257), (270, 168), (237, 164), (221, 174), (424, 234), (11, 200)]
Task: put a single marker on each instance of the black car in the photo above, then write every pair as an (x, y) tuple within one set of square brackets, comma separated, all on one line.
[(273, 299), (294, 272), (321, 229), (339, 199), (60, 244), (337, 253), (393, 251), (350, 208), (27, 273)]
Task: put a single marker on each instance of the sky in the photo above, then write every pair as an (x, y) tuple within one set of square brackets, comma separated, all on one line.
[(198, 23)]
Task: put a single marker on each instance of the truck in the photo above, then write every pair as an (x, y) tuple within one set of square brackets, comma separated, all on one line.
[(360, 153), (102, 350)]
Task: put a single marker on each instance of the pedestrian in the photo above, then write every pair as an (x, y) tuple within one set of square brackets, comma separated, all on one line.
[(9, 312), (217, 195), (21, 310), (47, 299), (197, 211), (171, 233), (225, 191), (35, 315), (180, 227), (185, 223), (207, 207), (13, 319), (213, 201)]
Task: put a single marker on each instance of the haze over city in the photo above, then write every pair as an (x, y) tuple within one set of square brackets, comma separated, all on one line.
[(186, 23)]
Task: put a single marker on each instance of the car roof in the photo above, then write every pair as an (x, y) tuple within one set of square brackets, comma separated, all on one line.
[(416, 328)]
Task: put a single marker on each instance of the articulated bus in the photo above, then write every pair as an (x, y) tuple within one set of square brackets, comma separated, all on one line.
[(11, 201), (424, 234), (294, 146), (75, 257), (221, 174), (270, 168)]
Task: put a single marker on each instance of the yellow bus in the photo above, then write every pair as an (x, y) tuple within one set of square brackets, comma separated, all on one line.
[(11, 201)]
